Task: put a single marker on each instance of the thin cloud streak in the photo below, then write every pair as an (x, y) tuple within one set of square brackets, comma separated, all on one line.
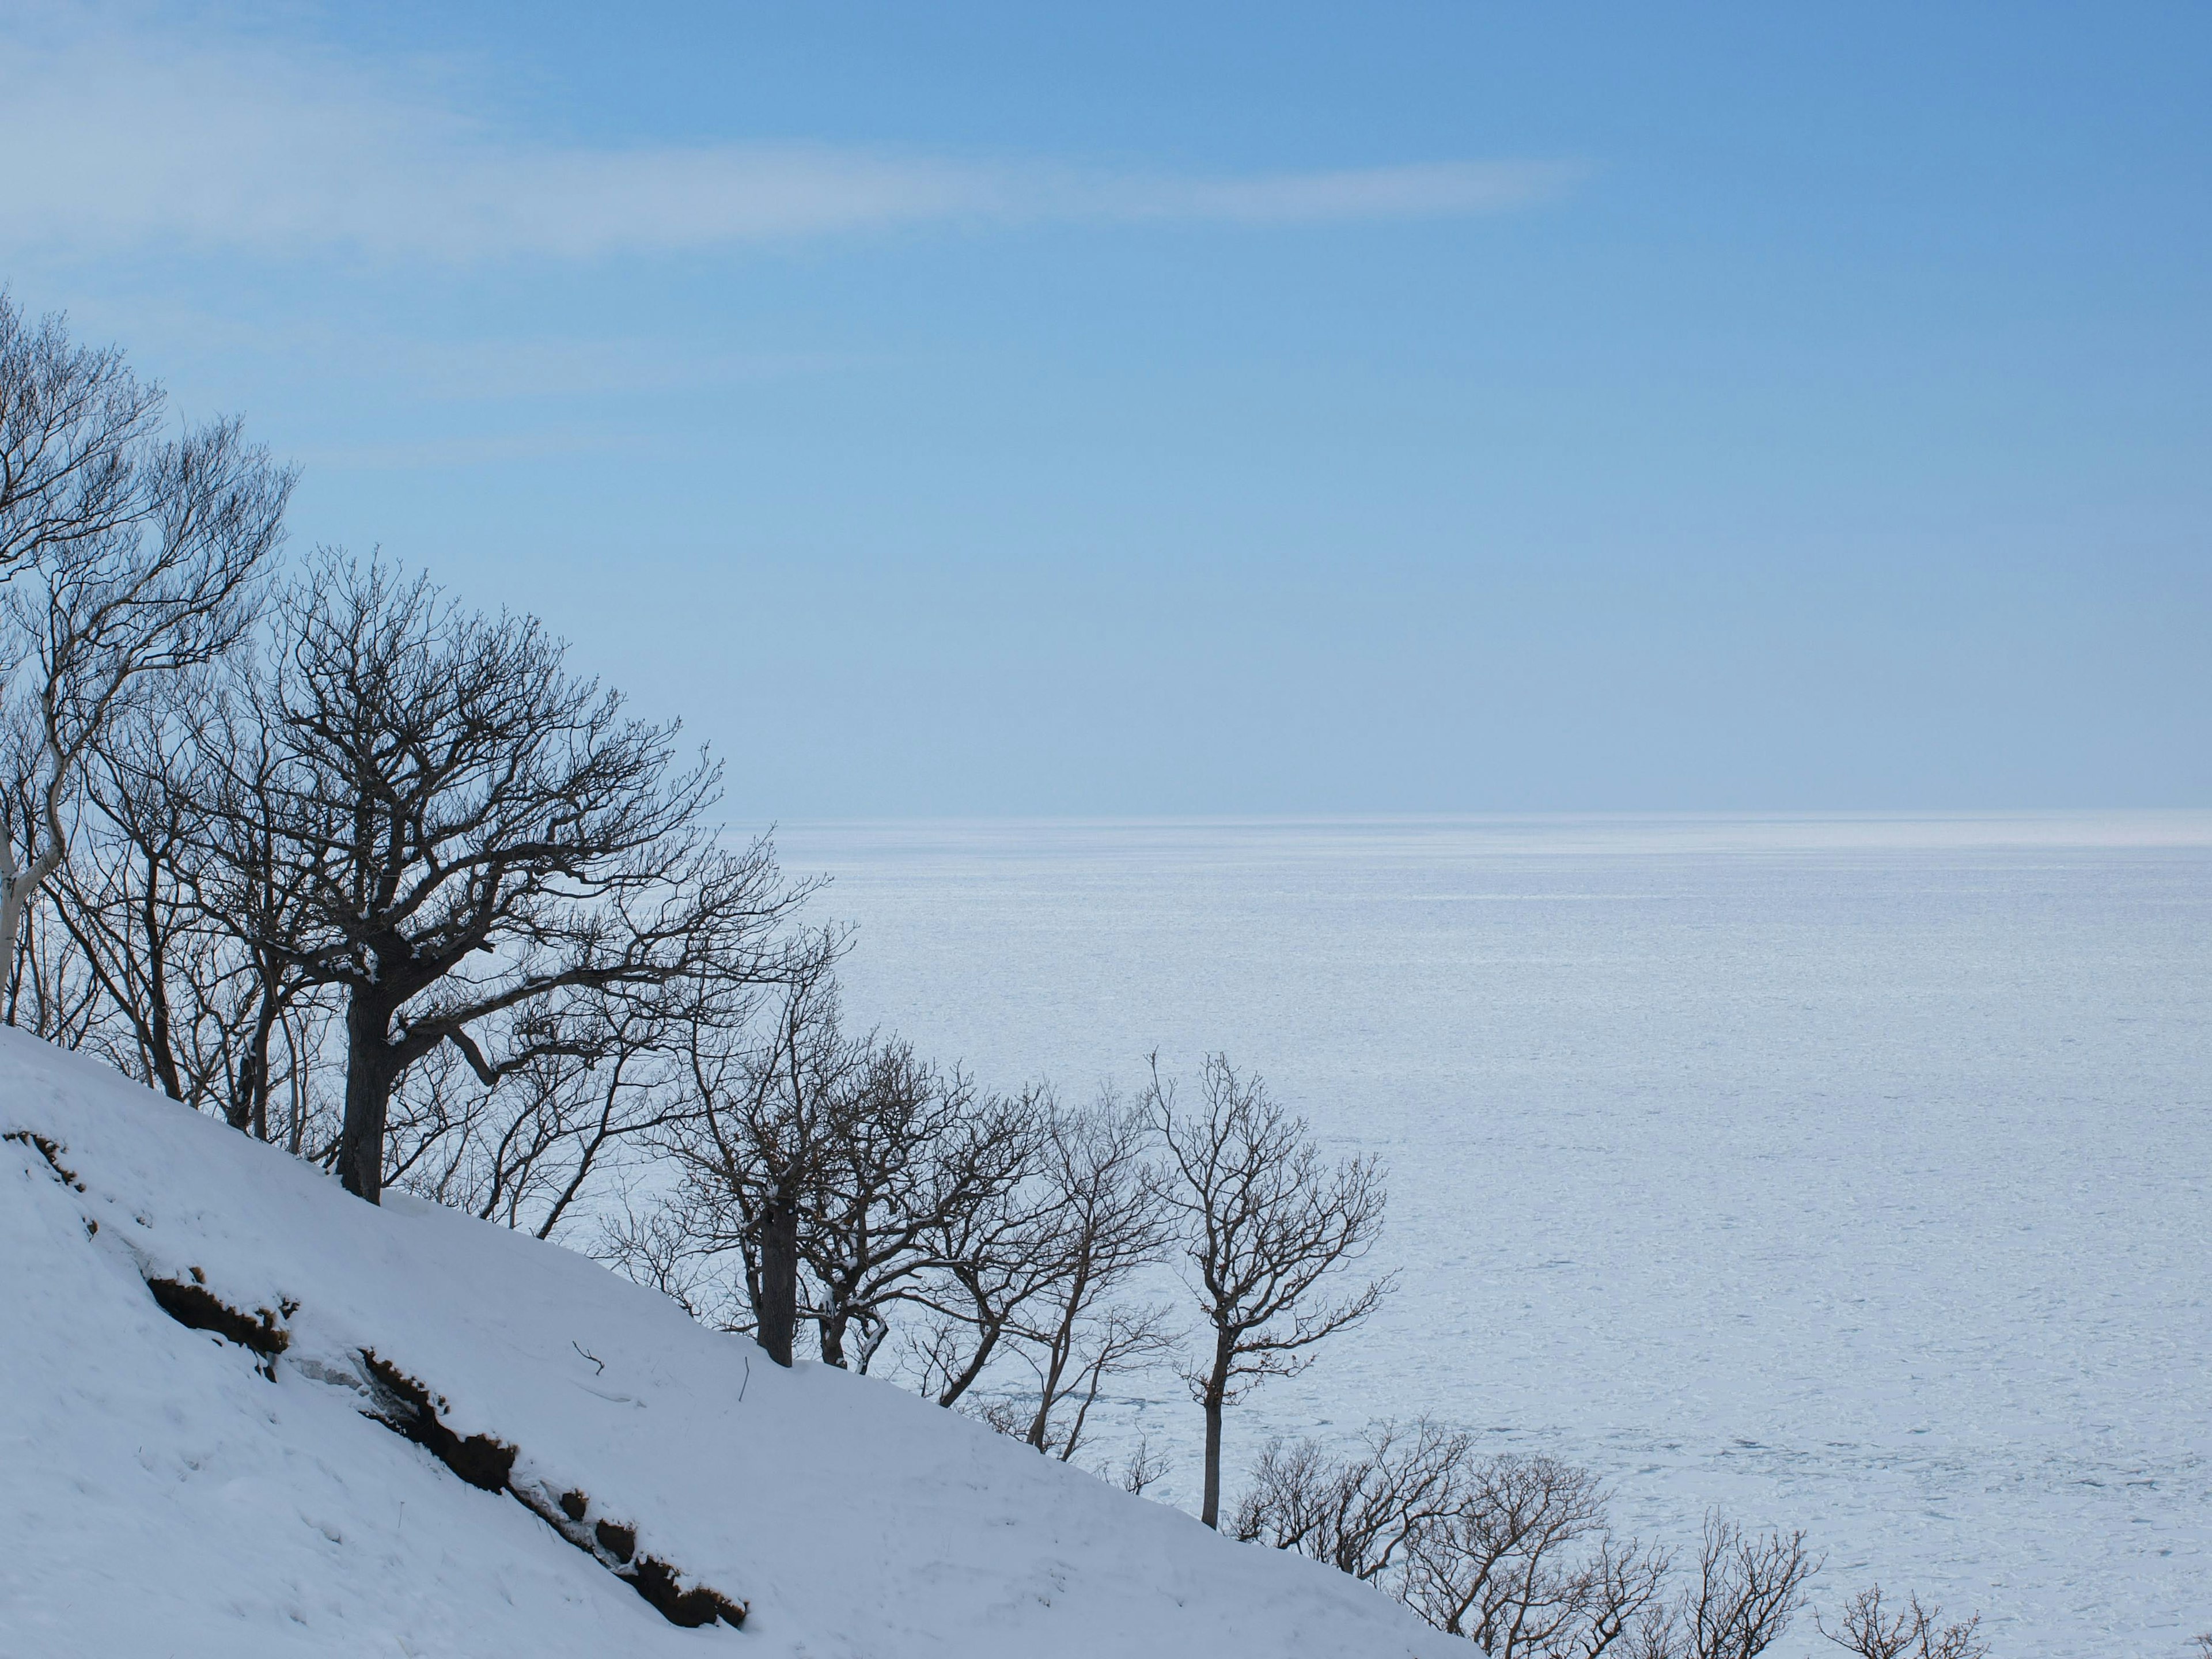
[(112, 139)]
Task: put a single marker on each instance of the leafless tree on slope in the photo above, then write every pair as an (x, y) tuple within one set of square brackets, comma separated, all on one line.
[(474, 833), (1265, 1226)]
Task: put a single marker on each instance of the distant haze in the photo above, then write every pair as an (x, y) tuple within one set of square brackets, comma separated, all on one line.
[(993, 409)]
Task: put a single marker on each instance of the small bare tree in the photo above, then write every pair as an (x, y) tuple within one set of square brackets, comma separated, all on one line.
[(1368, 1516), (1514, 1553), (48, 991), (1105, 1221), (995, 1256), (1748, 1589), (1265, 1225), (120, 898), (1138, 1468), (848, 1176), (1871, 1631), (1525, 1565), (473, 834)]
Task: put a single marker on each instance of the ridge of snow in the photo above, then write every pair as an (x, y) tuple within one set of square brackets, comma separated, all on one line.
[(166, 1497)]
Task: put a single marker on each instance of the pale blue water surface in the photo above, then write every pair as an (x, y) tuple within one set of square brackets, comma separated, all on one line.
[(1848, 1172)]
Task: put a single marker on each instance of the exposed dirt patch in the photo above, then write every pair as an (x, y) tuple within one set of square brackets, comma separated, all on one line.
[(655, 1580), (479, 1459), (189, 1303), (407, 1407), (49, 1150), (199, 1308)]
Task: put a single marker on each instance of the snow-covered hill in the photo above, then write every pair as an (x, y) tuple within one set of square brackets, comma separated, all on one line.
[(170, 1490)]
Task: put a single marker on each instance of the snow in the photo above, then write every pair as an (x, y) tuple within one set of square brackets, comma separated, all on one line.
[(165, 1497), (1850, 1171)]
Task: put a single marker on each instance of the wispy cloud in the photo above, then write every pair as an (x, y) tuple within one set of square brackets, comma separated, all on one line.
[(119, 135)]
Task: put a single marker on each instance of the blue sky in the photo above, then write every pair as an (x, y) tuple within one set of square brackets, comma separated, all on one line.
[(1231, 409)]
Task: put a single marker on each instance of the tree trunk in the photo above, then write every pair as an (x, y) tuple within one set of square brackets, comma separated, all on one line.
[(17, 890), (776, 1306), (11, 930), (1048, 1386), (250, 1110), (371, 1072), (1217, 1392), (987, 1344), (161, 1053)]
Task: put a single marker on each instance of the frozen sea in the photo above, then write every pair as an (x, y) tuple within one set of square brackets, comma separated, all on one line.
[(1851, 1173)]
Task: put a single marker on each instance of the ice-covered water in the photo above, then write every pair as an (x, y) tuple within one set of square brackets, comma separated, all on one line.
[(1849, 1172)]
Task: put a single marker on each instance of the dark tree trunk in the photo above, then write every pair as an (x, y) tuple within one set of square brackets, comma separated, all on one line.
[(832, 1329), (1217, 1392), (163, 1051), (987, 1344), (775, 1306), (256, 1064), (372, 1068)]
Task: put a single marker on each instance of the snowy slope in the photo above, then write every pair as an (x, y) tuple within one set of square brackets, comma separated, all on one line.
[(164, 1496)]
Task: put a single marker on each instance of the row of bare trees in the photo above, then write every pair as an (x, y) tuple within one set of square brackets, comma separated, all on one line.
[(995, 1249), (1518, 1554), (379, 877)]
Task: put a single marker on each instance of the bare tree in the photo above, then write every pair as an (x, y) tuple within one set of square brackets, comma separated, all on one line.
[(1524, 1564), (1139, 1469), (119, 897), (995, 1255), (660, 1242), (850, 1179), (49, 992), (94, 619), (74, 422), (1106, 1220), (473, 832), (769, 1106), (1265, 1225), (919, 1151), (1514, 1553), (1367, 1515), (192, 1009), (1871, 1631), (1748, 1589)]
